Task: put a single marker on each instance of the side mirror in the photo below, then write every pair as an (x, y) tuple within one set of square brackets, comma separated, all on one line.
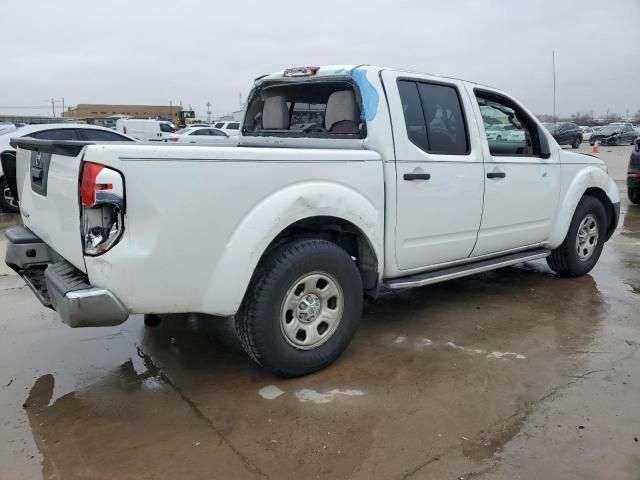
[(545, 152)]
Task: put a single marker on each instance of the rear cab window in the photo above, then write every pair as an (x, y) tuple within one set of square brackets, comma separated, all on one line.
[(320, 108)]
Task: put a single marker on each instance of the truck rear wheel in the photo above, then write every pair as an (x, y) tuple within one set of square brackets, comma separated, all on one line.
[(583, 244), (302, 307)]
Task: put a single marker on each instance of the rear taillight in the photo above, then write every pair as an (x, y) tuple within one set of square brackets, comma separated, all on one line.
[(102, 207)]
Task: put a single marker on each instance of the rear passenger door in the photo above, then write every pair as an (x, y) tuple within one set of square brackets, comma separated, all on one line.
[(521, 185), (439, 174)]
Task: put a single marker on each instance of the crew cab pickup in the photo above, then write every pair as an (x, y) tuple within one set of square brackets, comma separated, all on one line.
[(348, 181)]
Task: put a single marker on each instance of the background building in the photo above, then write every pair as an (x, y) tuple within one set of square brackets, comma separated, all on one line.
[(88, 111)]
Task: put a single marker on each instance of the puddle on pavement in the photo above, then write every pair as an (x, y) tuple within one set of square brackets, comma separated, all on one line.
[(104, 402)]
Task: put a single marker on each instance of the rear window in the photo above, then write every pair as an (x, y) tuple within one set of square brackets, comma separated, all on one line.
[(56, 134), (322, 108), (103, 136), (233, 126)]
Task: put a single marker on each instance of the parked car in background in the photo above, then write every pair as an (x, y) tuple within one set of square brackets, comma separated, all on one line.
[(633, 175), (289, 231), (231, 128), (146, 130), (615, 134), (52, 131), (497, 132), (565, 133), (202, 136), (6, 127), (586, 133)]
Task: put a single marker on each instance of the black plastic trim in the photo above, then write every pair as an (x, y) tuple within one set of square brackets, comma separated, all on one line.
[(66, 148)]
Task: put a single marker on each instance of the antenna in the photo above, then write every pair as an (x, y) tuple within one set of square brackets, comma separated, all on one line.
[(553, 53)]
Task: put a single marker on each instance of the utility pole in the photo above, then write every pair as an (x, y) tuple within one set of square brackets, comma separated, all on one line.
[(240, 99), (53, 107), (63, 106), (553, 53), (208, 112)]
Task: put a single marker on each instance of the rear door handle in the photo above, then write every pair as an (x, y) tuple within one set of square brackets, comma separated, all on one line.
[(417, 176), (496, 175)]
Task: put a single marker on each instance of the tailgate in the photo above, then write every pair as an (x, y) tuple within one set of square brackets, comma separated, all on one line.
[(47, 174)]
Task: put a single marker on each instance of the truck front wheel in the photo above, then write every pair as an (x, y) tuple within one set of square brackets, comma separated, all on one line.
[(302, 307), (583, 244)]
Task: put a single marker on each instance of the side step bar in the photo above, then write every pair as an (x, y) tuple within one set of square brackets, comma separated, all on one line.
[(458, 271)]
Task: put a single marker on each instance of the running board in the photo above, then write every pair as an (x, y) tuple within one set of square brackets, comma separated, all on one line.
[(458, 271)]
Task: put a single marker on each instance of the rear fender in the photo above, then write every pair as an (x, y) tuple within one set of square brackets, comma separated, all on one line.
[(274, 214)]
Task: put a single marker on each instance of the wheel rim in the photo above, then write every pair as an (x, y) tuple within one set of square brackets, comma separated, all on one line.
[(312, 310), (587, 238), (8, 197)]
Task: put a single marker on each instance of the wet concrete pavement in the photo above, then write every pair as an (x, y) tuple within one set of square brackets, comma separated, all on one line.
[(510, 374)]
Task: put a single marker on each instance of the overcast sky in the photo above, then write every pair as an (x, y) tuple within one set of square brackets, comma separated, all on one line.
[(154, 51)]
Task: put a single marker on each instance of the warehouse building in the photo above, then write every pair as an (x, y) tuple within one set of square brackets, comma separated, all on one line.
[(91, 110)]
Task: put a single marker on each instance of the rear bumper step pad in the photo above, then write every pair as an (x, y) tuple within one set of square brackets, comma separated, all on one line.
[(60, 285)]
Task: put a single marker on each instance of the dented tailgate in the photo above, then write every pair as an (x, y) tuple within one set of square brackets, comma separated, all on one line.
[(47, 179)]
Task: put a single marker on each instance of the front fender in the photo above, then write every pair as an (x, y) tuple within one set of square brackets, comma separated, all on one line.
[(588, 177), (275, 213)]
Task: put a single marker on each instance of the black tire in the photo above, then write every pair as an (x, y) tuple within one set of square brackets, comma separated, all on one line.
[(499, 138), (260, 322), (576, 142), (7, 202), (634, 195), (565, 259), (633, 140)]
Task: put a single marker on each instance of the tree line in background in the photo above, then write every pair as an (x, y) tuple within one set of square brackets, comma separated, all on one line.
[(589, 119)]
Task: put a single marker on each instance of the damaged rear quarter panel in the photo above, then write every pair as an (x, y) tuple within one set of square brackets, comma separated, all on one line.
[(199, 219)]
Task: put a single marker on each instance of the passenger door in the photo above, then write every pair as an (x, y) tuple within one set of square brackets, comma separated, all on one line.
[(521, 186), (439, 174)]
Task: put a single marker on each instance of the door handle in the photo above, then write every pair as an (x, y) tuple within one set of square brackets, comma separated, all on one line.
[(496, 175), (417, 176)]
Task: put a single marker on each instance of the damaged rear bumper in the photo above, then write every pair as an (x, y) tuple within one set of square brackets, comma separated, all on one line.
[(59, 285)]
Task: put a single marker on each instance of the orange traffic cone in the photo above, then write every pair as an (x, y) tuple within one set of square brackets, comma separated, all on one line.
[(596, 147)]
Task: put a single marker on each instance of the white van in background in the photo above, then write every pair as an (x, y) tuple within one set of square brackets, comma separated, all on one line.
[(230, 128), (146, 130)]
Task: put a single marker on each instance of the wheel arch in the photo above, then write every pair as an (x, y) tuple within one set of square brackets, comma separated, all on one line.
[(612, 215), (343, 233), (329, 210), (592, 181)]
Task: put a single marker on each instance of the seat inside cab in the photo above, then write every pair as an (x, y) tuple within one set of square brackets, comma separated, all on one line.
[(315, 109)]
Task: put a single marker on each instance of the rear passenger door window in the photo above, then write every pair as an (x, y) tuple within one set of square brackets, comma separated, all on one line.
[(434, 117)]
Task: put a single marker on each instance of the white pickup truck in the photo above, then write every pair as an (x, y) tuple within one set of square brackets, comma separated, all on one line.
[(347, 181)]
